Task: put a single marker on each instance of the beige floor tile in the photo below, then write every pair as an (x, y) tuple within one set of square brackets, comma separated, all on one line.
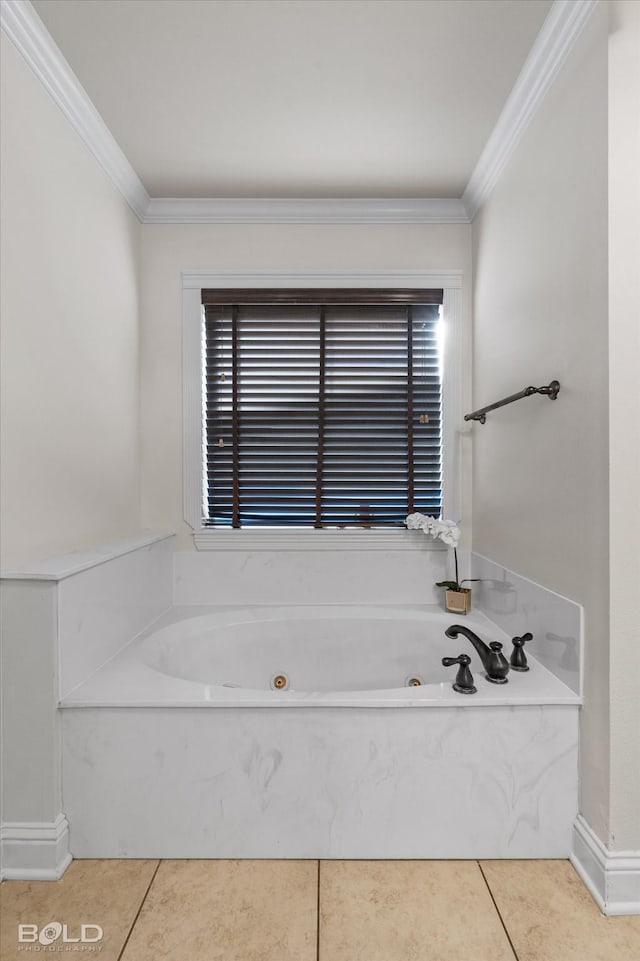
[(107, 893), (228, 911), (408, 911), (550, 915)]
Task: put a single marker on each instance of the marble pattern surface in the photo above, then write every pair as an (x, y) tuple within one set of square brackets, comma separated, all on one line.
[(309, 577), (330, 783), (516, 605), (59, 621), (102, 608), (65, 565)]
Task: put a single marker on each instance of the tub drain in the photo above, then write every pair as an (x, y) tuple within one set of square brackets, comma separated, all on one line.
[(279, 682)]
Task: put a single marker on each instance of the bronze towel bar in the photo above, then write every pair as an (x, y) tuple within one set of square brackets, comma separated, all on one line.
[(481, 414)]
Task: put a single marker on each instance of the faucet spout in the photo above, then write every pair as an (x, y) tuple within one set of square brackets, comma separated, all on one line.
[(493, 661)]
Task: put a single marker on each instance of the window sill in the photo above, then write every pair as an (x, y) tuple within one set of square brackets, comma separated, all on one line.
[(314, 540)]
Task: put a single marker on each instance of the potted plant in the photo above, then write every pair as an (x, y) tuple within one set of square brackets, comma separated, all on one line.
[(457, 597)]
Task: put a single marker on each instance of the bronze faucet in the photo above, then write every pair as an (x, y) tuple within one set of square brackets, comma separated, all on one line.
[(493, 661)]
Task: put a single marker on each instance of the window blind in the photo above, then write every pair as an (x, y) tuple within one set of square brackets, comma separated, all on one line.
[(321, 408)]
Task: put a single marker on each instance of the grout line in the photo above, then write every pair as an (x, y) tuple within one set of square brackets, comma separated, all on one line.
[(318, 917), (515, 953), (134, 922)]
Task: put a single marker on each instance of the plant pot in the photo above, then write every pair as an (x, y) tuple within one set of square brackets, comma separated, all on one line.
[(458, 602)]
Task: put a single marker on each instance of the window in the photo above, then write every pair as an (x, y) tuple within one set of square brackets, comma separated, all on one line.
[(321, 408)]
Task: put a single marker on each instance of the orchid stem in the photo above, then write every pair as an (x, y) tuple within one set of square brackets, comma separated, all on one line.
[(455, 557)]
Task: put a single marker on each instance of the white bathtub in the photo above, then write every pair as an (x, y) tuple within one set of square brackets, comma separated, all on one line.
[(317, 769), (329, 655), (315, 648)]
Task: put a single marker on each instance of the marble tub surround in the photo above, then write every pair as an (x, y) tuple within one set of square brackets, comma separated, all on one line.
[(516, 604), (75, 562), (103, 607), (233, 576), (316, 782), (225, 766), (61, 619), (142, 766), (104, 596)]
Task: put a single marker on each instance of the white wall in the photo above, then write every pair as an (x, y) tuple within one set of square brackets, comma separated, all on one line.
[(167, 250), (70, 261), (624, 418), (540, 500)]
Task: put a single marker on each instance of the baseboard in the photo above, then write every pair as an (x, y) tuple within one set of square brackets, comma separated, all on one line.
[(611, 877), (34, 851)]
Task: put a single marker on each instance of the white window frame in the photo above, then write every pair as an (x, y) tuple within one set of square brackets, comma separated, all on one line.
[(194, 468)]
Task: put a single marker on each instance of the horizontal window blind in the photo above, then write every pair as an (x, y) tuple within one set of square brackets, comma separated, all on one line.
[(321, 413)]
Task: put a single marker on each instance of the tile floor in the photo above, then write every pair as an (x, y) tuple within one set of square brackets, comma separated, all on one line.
[(320, 911)]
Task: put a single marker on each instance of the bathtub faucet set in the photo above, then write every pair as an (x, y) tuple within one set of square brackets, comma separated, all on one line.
[(493, 660)]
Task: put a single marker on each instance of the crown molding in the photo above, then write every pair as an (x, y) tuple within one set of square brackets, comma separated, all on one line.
[(298, 210), (560, 30), (29, 35), (25, 29)]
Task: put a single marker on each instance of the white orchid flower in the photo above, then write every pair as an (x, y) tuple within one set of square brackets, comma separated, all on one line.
[(447, 531), (418, 522), (449, 537)]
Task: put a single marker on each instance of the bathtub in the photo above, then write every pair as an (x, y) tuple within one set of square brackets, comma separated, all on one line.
[(258, 732), (329, 655)]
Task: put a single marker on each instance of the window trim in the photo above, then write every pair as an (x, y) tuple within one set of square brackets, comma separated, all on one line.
[(193, 463)]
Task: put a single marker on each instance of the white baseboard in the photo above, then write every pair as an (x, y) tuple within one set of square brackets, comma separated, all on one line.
[(612, 877), (34, 851)]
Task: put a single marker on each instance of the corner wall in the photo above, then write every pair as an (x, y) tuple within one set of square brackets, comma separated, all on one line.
[(70, 264), (624, 419), (540, 495)]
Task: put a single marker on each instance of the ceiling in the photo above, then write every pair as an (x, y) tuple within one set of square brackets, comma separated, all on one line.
[(298, 98)]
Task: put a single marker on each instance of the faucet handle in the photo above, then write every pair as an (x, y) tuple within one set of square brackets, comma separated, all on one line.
[(460, 659), (463, 683), (518, 659)]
